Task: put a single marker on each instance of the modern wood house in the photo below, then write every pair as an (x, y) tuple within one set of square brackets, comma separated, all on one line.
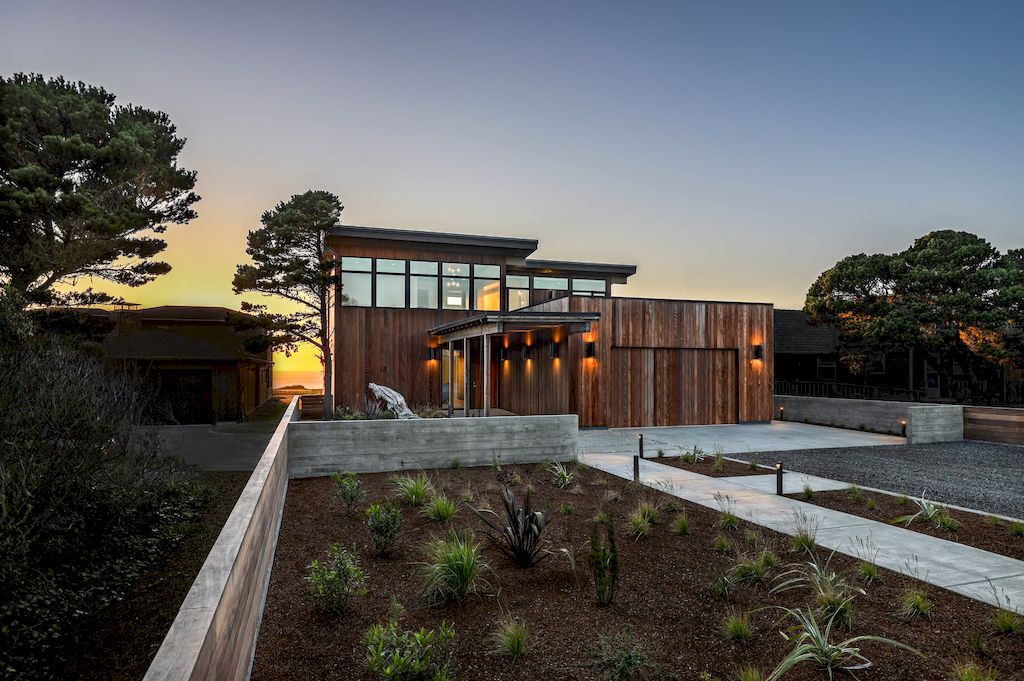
[(476, 324)]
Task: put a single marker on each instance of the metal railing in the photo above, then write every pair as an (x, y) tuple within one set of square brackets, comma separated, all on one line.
[(851, 391)]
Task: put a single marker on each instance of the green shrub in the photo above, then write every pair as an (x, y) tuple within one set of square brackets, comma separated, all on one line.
[(510, 637), (867, 571), (855, 493), (947, 523), (736, 627), (415, 491), (348, 490), (719, 463), (1017, 529), (383, 521), (872, 505), (808, 492), (1008, 622), (441, 509), (621, 658), (681, 524), (567, 509), (520, 536), (749, 674), (454, 569), (335, 581), (88, 496), (397, 655), (604, 561), (723, 544), (639, 526), (722, 588)]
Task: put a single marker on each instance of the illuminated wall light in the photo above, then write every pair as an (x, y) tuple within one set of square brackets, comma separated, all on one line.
[(590, 350), (433, 353), (527, 352), (758, 351), (555, 350), (503, 354)]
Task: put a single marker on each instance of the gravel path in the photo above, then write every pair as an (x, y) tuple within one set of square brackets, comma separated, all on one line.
[(979, 475)]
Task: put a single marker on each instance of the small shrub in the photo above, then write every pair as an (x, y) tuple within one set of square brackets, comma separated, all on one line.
[(915, 604), (454, 569), (753, 570), (455, 464), (752, 465), (723, 544), (622, 658), (661, 453), (972, 671), (604, 561), (833, 594), (719, 463), (441, 509), (947, 523), (348, 490), (993, 520), (563, 477), (808, 492), (687, 457), (335, 581), (855, 493), (805, 533), (1017, 529), (510, 637), (736, 627), (727, 518), (902, 500), (872, 505), (1008, 622), (383, 521), (804, 542), (415, 491), (567, 509), (397, 655), (681, 525)]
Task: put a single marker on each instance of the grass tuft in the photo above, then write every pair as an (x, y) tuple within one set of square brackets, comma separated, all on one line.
[(723, 544), (749, 674), (972, 671), (1008, 622), (855, 493), (454, 568), (867, 572), (736, 627), (915, 604), (510, 637), (681, 525), (639, 525), (441, 509), (414, 491), (1017, 529)]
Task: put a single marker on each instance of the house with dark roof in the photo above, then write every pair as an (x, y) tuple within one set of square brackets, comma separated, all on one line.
[(201, 367), (478, 325)]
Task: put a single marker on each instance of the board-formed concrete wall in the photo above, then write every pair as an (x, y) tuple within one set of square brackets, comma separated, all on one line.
[(925, 422), (214, 634), (324, 447)]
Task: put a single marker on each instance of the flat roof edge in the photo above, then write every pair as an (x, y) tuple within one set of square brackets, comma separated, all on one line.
[(519, 245)]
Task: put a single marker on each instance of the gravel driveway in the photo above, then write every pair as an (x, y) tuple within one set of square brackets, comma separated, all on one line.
[(980, 475)]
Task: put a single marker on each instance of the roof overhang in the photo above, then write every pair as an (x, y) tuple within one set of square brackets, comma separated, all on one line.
[(615, 273), (511, 247), (497, 323)]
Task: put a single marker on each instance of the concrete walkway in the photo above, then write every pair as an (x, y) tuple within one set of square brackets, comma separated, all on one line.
[(984, 576), (738, 438)]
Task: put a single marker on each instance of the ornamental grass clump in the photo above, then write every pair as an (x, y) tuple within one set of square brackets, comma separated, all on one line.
[(639, 526), (681, 525), (727, 518), (915, 604), (333, 583), (415, 491), (510, 637), (972, 671), (928, 511), (622, 658), (383, 521), (520, 534), (812, 643), (1017, 529), (833, 594), (753, 569), (441, 509), (348, 490), (562, 476), (604, 561), (736, 627), (454, 569)]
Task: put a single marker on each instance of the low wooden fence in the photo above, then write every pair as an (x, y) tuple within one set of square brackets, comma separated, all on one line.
[(994, 424)]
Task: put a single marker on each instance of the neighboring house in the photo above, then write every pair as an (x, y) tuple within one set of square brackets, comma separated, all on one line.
[(807, 362), (197, 362), (475, 324)]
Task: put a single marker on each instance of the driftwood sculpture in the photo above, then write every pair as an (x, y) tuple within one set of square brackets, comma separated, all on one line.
[(394, 400)]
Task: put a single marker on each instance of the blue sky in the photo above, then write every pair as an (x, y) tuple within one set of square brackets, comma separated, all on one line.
[(732, 150)]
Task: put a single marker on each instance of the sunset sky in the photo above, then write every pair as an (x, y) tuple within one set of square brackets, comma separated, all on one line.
[(731, 150)]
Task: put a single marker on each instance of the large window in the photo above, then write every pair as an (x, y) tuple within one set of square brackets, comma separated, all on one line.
[(356, 289), (423, 292), (421, 284), (551, 283), (486, 287), (390, 290), (518, 288), (456, 293)]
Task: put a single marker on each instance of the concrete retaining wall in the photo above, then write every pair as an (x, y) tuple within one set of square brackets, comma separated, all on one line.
[(925, 422), (214, 633), (321, 448)]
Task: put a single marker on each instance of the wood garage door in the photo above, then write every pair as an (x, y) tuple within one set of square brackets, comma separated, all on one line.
[(673, 387)]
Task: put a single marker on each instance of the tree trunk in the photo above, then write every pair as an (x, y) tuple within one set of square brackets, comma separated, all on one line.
[(328, 362)]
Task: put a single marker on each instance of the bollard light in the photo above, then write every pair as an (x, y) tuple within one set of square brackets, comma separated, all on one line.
[(782, 413), (640, 444), (778, 478), (903, 427), (636, 468)]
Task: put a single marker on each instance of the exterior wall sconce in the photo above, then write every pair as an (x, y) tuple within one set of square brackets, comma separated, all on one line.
[(590, 349), (555, 350), (434, 353), (758, 351), (502, 354), (527, 352)]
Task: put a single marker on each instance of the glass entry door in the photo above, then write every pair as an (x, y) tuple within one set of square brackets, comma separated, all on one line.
[(458, 397)]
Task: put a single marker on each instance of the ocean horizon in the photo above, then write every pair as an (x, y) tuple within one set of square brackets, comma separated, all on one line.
[(308, 379)]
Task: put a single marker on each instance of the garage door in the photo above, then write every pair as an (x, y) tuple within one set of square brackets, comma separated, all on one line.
[(674, 387)]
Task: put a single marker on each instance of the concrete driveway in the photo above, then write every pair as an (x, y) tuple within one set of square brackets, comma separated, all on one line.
[(729, 439), (226, 446)]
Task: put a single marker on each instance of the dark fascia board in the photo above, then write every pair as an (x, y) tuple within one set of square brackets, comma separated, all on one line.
[(616, 273), (510, 246), (544, 318)]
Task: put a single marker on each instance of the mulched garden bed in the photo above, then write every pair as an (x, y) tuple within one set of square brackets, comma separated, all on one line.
[(665, 595), (983, 532), (120, 643), (726, 469)]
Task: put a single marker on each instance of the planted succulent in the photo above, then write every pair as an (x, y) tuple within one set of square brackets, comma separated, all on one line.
[(519, 535)]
